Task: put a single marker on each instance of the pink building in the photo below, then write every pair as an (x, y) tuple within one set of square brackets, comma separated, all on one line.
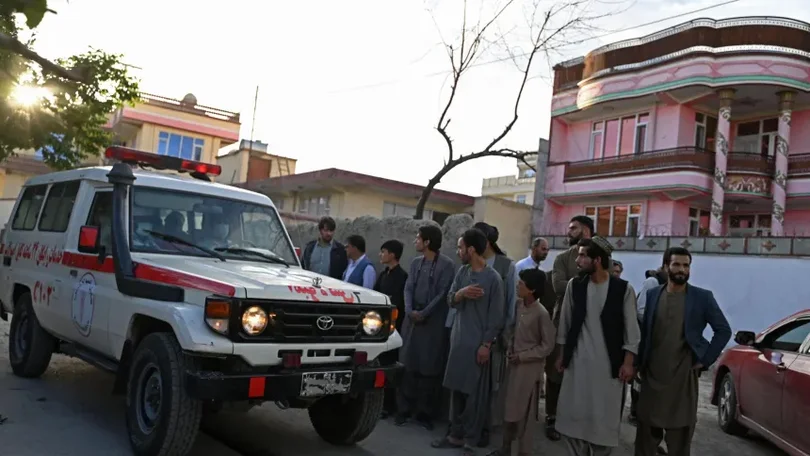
[(699, 129)]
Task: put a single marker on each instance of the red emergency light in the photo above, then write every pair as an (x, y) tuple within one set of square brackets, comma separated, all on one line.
[(141, 158)]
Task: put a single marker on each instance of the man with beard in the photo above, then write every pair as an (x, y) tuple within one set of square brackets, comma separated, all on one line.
[(564, 269), (477, 295), (598, 338), (422, 353), (325, 255), (539, 252), (672, 356), (505, 267)]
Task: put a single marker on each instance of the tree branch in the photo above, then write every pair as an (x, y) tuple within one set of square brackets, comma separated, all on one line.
[(15, 46)]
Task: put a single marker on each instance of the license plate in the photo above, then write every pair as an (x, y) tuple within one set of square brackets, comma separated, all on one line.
[(315, 384)]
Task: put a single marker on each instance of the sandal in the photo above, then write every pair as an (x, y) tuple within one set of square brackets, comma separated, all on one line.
[(445, 443)]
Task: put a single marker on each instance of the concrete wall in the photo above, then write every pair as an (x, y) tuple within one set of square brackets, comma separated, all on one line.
[(753, 292), (376, 231), (352, 202)]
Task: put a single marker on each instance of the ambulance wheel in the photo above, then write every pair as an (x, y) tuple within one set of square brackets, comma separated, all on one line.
[(162, 419), (347, 419), (30, 347)]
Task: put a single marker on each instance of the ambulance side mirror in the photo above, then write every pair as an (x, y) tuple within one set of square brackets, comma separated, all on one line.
[(89, 237)]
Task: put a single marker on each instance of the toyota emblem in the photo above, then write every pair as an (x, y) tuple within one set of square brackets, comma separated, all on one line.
[(325, 322), (316, 282)]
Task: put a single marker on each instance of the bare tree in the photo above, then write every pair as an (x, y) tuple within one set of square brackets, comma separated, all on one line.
[(553, 25)]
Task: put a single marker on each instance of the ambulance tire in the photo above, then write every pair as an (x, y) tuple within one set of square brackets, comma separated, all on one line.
[(347, 419), (30, 347), (162, 419)]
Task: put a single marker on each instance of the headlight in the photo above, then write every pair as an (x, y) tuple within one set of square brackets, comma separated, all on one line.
[(254, 320), (372, 323)]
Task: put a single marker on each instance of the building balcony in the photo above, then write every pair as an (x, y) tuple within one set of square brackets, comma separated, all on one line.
[(677, 159), (676, 173)]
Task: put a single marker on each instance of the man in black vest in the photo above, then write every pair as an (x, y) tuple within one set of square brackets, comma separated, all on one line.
[(598, 338)]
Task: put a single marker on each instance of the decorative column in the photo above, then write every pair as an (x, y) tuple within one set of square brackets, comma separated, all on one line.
[(779, 187), (720, 161)]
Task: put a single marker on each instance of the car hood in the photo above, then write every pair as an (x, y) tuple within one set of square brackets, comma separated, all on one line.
[(259, 280)]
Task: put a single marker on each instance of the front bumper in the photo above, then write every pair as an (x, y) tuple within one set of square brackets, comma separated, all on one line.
[(210, 385)]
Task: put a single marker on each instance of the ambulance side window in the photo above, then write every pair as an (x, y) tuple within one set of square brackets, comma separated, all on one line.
[(25, 219), (101, 216), (56, 215)]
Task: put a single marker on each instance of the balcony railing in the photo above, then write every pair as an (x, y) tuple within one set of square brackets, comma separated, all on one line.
[(681, 158), (678, 158), (179, 105)]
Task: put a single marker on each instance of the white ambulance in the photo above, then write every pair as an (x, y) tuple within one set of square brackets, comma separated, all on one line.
[(191, 293)]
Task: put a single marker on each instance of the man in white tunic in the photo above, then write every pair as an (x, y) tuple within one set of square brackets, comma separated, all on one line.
[(598, 337)]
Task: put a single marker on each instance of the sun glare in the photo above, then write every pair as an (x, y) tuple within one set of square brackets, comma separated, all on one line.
[(28, 96)]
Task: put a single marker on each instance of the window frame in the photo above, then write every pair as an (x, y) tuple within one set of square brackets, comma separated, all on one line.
[(13, 218), (612, 207), (64, 185), (518, 199), (97, 192), (767, 342), (599, 127), (760, 135), (164, 141)]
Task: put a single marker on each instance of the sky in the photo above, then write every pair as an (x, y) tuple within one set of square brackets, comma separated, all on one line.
[(358, 84)]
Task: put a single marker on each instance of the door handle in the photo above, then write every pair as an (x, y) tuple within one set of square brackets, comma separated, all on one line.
[(781, 367)]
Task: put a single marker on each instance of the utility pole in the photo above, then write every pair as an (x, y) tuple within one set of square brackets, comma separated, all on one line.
[(539, 203), (253, 121)]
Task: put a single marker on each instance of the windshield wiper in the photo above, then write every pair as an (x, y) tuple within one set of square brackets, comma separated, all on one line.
[(272, 257), (179, 240)]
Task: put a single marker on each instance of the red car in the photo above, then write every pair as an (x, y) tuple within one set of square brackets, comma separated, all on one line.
[(763, 384)]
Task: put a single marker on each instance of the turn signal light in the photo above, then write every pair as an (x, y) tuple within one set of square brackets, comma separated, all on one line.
[(218, 314), (394, 317)]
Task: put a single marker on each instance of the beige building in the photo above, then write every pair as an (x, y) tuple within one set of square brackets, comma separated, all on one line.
[(180, 128), (251, 163), (345, 194), (518, 188)]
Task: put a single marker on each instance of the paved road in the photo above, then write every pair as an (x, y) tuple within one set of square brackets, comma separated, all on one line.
[(70, 412)]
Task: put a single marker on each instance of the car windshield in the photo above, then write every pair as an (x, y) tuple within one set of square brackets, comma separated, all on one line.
[(232, 228)]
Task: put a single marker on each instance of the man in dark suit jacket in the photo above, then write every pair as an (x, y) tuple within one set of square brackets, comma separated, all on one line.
[(326, 256), (672, 355)]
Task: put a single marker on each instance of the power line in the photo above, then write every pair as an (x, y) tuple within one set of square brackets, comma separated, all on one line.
[(504, 59)]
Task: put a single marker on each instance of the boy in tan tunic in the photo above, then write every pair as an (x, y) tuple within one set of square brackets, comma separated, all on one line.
[(533, 340)]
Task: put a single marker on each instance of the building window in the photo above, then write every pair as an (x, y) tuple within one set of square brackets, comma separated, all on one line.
[(317, 206), (619, 220), (521, 199), (698, 222), (705, 131), (757, 137), (749, 225), (597, 140), (641, 133), (401, 210), (176, 145)]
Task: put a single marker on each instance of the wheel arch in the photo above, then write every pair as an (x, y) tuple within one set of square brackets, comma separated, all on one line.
[(18, 290), (721, 372), (140, 326)]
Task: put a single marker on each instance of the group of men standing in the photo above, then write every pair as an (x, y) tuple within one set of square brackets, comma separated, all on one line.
[(490, 331)]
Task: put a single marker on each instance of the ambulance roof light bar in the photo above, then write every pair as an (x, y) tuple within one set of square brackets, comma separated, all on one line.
[(137, 157)]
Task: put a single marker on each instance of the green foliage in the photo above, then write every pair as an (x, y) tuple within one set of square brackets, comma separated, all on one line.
[(82, 91)]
